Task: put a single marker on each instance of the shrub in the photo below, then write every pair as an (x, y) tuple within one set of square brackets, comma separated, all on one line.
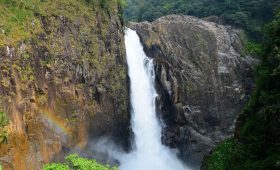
[(74, 162), (4, 121), (56, 166), (254, 48)]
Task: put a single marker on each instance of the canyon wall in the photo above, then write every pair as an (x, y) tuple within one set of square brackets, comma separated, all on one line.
[(203, 78), (63, 82)]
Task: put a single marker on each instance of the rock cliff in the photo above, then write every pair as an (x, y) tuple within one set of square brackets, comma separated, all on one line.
[(203, 77), (63, 79)]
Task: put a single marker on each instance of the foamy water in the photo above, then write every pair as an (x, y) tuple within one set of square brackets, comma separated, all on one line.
[(148, 152)]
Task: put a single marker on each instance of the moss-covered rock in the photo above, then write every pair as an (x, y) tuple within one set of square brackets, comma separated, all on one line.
[(63, 77)]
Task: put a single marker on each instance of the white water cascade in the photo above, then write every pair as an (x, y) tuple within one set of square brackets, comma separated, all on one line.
[(148, 152)]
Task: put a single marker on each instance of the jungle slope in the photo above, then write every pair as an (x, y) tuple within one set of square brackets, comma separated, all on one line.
[(63, 78)]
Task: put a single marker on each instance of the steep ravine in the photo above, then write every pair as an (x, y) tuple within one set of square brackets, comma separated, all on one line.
[(203, 77), (63, 80)]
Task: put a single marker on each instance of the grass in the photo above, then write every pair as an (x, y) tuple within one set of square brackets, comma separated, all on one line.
[(21, 20), (18, 20)]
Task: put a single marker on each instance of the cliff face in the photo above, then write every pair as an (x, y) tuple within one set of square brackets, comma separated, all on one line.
[(203, 78), (63, 80), (255, 144)]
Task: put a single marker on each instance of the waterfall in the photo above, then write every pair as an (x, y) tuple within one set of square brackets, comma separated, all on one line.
[(148, 152)]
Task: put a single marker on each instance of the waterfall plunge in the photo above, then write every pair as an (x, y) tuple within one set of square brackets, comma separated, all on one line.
[(148, 152)]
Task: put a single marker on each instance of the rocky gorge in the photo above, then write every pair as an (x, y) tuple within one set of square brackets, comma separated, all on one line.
[(203, 77), (64, 81)]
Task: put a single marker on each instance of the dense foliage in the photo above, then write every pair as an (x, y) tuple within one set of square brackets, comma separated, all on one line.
[(257, 140), (248, 14), (74, 162)]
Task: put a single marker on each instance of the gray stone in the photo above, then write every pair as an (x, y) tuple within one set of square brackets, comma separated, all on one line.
[(203, 77)]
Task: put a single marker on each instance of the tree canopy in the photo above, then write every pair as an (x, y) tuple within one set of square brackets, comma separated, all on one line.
[(250, 15)]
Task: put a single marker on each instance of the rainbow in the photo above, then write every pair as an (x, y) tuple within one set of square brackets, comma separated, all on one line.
[(57, 123)]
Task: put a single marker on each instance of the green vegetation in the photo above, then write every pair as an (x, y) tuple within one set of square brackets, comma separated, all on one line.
[(250, 15), (21, 20), (227, 154), (17, 23), (257, 141), (74, 162), (4, 121), (39, 22), (254, 49)]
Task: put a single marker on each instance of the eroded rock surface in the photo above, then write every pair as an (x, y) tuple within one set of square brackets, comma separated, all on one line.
[(64, 85), (203, 77)]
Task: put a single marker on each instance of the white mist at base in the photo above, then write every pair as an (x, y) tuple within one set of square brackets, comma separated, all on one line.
[(148, 152)]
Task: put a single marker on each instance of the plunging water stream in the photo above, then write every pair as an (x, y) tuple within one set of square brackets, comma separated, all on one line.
[(148, 152)]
